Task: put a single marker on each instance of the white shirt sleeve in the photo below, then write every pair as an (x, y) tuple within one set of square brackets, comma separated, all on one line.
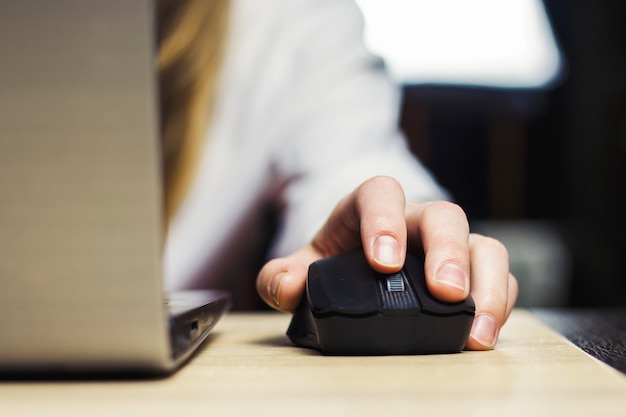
[(303, 115)]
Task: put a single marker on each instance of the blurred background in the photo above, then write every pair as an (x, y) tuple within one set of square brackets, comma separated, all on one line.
[(519, 109)]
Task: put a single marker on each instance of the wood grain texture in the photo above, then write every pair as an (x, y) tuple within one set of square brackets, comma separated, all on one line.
[(599, 332), (249, 368)]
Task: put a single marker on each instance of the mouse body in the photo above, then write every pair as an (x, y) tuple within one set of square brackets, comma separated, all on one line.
[(350, 309)]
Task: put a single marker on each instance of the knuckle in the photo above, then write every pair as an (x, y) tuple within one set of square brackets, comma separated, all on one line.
[(494, 246), (447, 208), (380, 182)]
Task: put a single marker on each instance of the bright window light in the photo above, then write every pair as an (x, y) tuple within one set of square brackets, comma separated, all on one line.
[(494, 43)]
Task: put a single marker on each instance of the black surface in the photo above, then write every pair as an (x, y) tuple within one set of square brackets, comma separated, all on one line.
[(599, 332)]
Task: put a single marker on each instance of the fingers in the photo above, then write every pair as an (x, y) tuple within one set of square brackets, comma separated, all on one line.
[(372, 216), (443, 231), (494, 291), (457, 262)]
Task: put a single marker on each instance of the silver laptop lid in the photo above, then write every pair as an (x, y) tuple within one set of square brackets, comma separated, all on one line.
[(80, 190)]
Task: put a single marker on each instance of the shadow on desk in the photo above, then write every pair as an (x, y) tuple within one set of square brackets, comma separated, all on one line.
[(60, 375)]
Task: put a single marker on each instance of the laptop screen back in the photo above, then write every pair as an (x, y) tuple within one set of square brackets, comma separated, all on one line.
[(80, 188)]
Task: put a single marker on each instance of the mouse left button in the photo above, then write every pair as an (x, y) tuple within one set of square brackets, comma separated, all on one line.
[(343, 284), (301, 329)]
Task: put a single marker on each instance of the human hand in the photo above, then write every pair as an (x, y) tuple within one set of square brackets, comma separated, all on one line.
[(377, 217)]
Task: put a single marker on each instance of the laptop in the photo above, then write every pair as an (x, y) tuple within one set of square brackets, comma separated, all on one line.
[(81, 224)]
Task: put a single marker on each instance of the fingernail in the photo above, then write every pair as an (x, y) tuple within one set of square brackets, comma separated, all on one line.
[(275, 286), (485, 330), (387, 250), (452, 275)]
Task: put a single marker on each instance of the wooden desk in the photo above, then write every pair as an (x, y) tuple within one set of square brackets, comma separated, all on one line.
[(249, 368)]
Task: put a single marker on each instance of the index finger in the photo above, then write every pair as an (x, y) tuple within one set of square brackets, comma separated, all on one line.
[(374, 215)]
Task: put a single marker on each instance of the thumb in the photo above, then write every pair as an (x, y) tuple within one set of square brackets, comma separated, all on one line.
[(281, 282)]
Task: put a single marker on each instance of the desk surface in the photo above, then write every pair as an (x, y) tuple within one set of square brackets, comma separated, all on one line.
[(249, 367)]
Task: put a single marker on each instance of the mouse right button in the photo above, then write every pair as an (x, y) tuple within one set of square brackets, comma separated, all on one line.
[(414, 270)]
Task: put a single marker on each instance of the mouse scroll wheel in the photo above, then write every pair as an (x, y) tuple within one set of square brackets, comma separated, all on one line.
[(395, 283), (396, 293)]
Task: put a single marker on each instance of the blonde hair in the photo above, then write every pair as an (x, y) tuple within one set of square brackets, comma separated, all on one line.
[(191, 37)]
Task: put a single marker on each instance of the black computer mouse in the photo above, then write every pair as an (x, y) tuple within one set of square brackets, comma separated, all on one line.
[(350, 309)]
